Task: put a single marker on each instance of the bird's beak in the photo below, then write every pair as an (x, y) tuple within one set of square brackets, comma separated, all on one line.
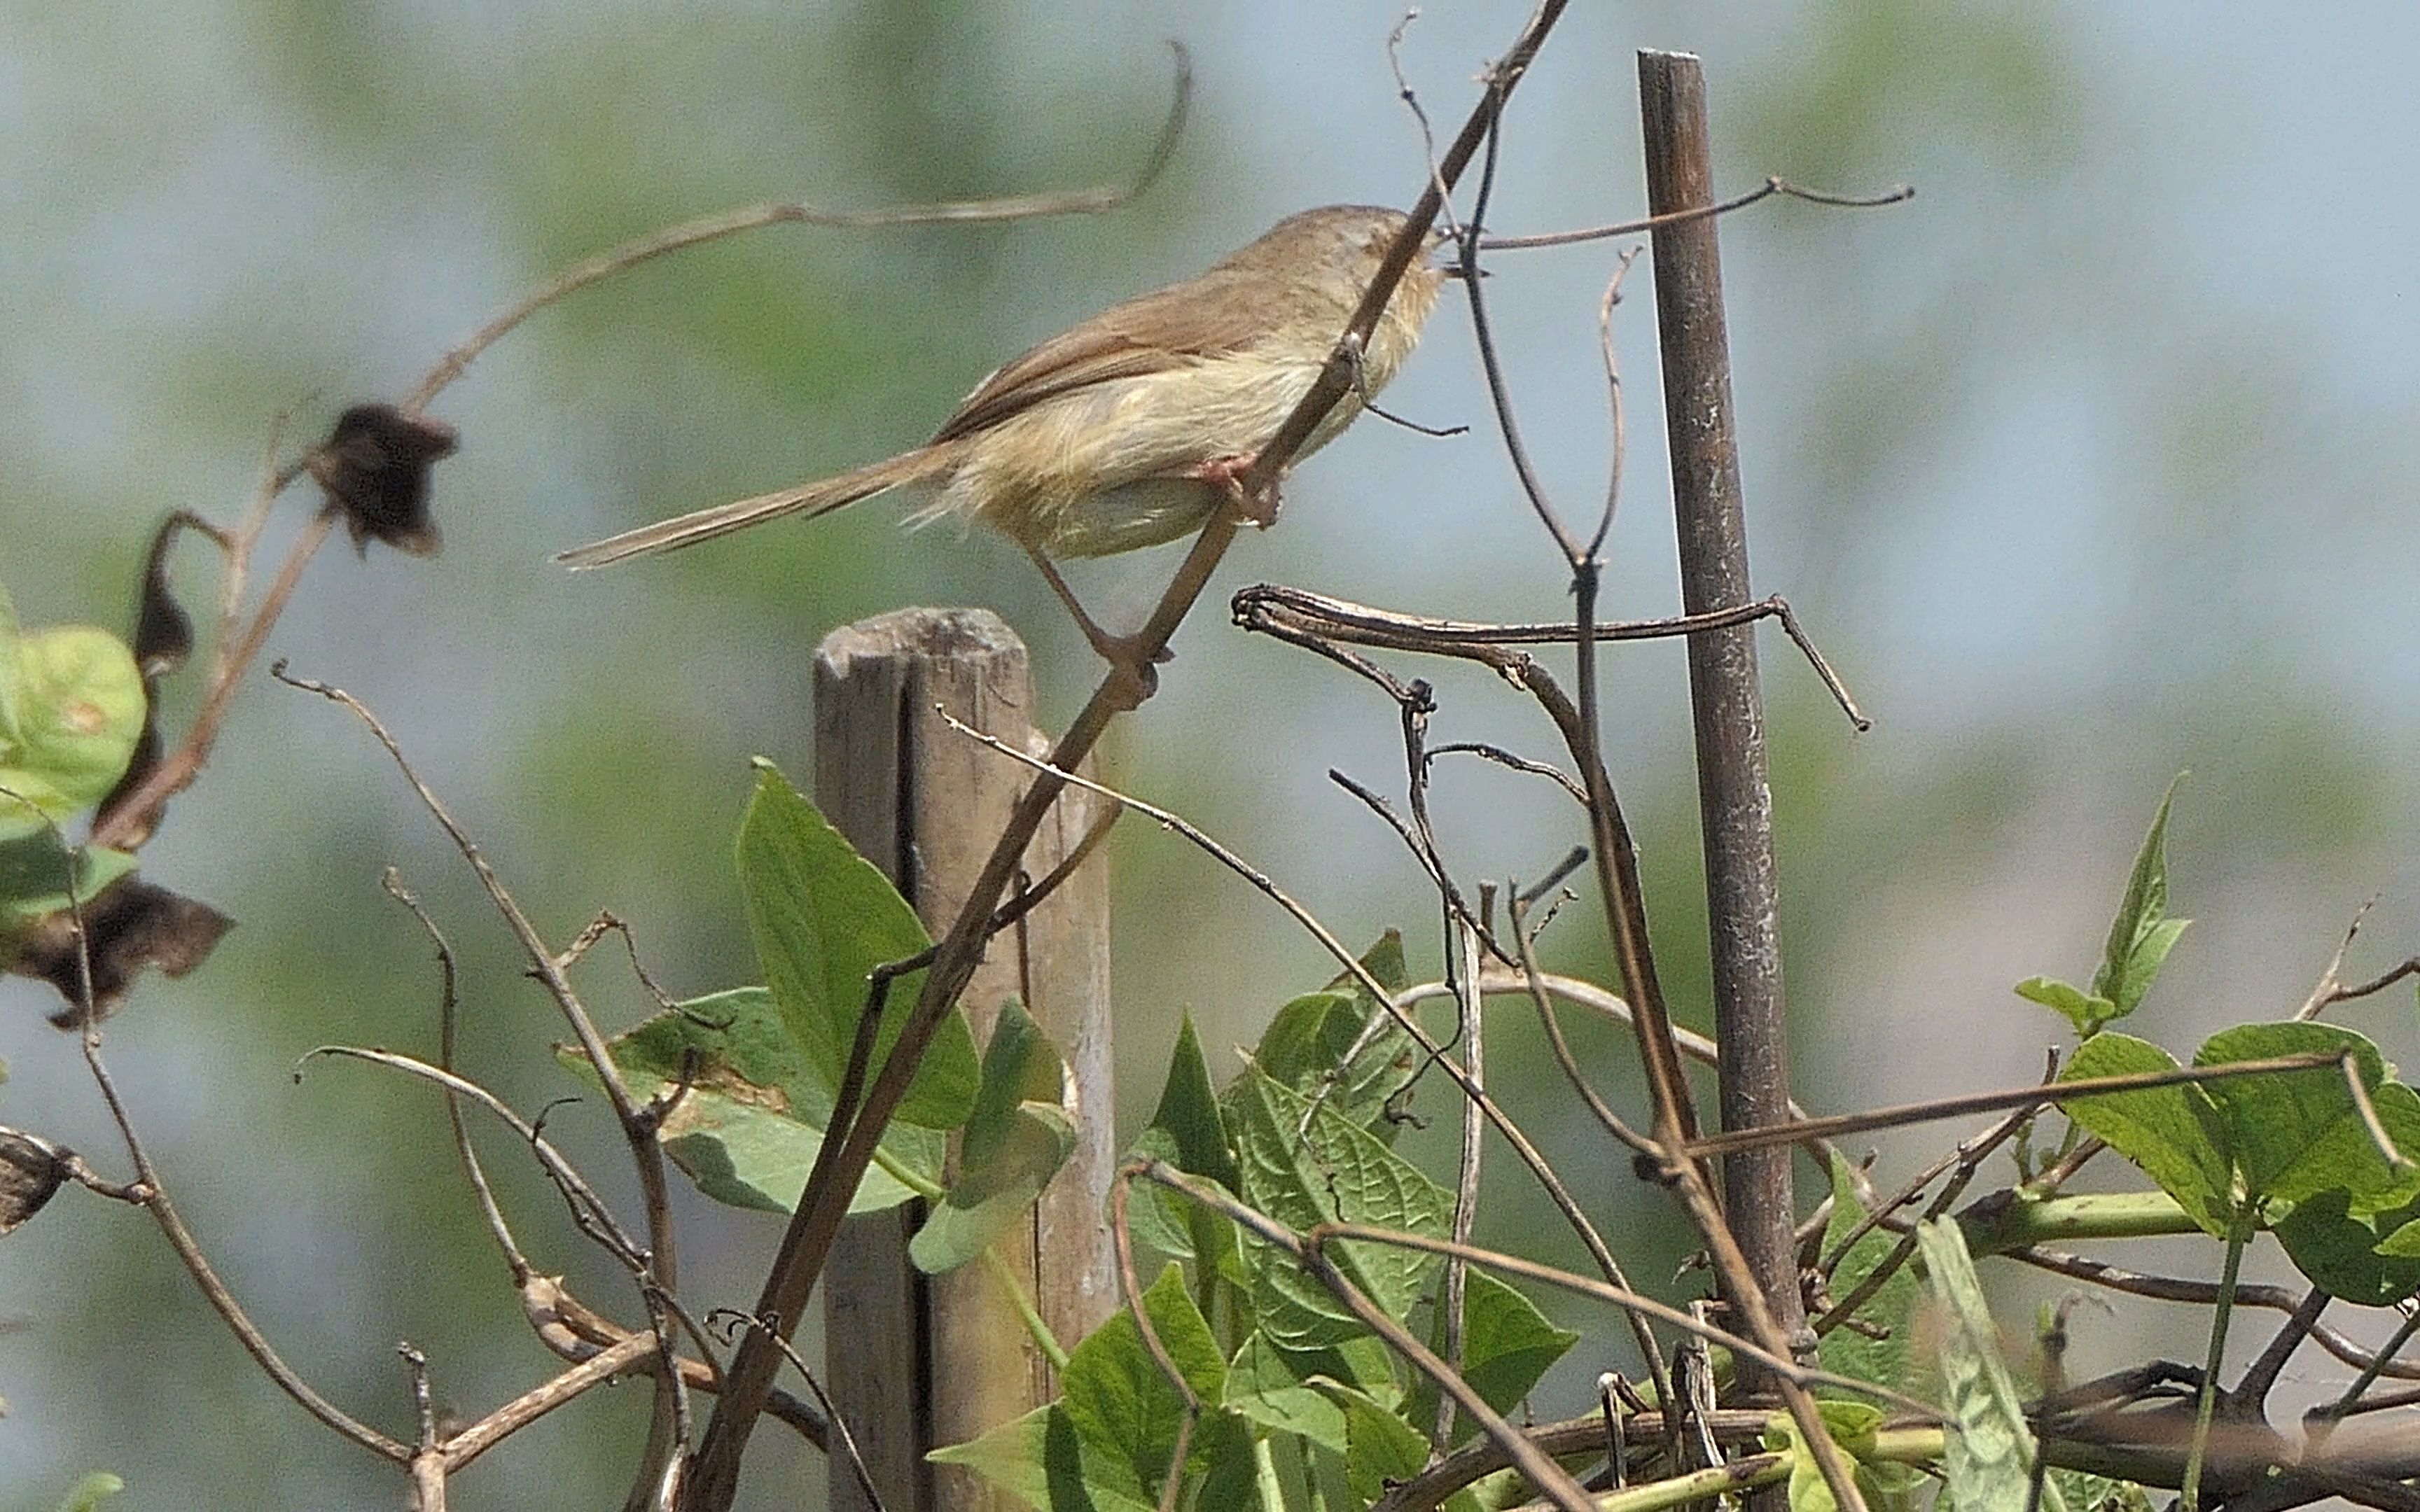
[(1445, 254)]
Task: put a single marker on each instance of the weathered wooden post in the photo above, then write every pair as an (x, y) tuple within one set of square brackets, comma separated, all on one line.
[(915, 1362)]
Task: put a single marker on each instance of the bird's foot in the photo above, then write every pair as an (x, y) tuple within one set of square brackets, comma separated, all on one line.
[(1257, 508), (1134, 677)]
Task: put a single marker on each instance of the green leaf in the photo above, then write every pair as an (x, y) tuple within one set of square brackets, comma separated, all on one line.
[(1332, 1171), (1189, 1111), (1310, 1045), (2085, 1011), (1189, 1132), (1021, 1131), (72, 707), (1507, 1344), (749, 1126), (1041, 1460), (1274, 1387), (1223, 1468), (1987, 1463), (2341, 1253), (1846, 1350), (91, 1491), (1156, 1216), (2172, 1133), (2402, 1242), (1288, 1390), (1850, 1424), (1381, 1450), (823, 917), (2142, 934), (1119, 1400), (2296, 1132), (41, 875)]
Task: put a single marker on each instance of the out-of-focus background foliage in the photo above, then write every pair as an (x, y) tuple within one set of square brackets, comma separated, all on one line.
[(2094, 463)]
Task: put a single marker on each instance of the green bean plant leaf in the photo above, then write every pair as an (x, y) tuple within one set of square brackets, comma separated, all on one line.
[(1022, 1130), (1878, 1351), (2172, 1133), (823, 917), (72, 711), (751, 1112), (2140, 937)]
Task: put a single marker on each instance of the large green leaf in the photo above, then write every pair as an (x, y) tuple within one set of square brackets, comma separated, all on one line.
[(1381, 1450), (1188, 1132), (1041, 1460), (2339, 1251), (72, 707), (1189, 1111), (1507, 1344), (2296, 1132), (1122, 1404), (2172, 1133), (751, 1122), (823, 917), (1021, 1131), (1327, 1170)]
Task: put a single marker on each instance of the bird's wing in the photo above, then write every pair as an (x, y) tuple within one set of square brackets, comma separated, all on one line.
[(1152, 333)]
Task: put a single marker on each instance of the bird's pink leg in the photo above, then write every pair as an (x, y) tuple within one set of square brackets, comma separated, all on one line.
[(1227, 472), (1137, 676)]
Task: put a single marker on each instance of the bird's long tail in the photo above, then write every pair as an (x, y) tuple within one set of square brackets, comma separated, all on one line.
[(810, 499)]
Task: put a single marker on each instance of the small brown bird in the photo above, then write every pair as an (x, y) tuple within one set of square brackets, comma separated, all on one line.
[(1131, 428)]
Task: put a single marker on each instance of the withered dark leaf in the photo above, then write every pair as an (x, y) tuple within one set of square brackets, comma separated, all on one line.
[(164, 638), (30, 1170), (374, 467), (164, 632), (132, 924)]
